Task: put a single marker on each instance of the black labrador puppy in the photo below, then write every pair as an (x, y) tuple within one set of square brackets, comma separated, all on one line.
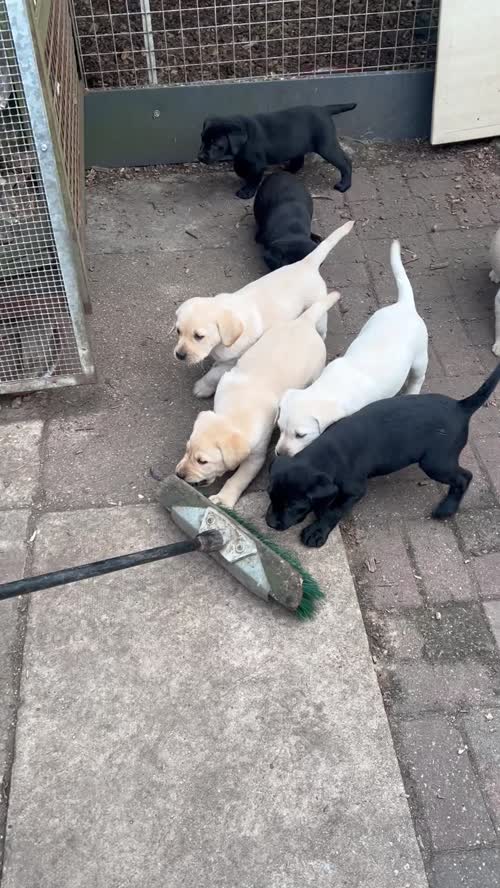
[(330, 475), (254, 143), (283, 211)]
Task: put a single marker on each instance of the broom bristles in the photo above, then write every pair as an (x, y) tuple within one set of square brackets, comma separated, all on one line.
[(311, 592)]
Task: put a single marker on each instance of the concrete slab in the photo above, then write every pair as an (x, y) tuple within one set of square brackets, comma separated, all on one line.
[(176, 731), (13, 534), (19, 462)]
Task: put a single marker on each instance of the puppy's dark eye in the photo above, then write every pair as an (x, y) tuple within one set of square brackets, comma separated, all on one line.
[(300, 434), (177, 331), (199, 336), (202, 461)]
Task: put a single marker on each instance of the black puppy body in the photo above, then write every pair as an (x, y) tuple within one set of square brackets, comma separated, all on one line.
[(330, 475), (283, 211), (255, 143)]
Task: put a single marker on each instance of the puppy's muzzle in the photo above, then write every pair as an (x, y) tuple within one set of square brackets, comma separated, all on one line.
[(272, 520), (180, 355)]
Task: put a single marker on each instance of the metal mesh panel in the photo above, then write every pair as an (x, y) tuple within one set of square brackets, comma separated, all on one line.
[(138, 42), (65, 88), (36, 333)]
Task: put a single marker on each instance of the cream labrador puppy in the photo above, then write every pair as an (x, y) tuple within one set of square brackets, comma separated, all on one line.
[(390, 350), (495, 277), (235, 435), (226, 325)]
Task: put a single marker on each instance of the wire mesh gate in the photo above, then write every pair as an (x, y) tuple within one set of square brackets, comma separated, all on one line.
[(43, 340), (144, 42)]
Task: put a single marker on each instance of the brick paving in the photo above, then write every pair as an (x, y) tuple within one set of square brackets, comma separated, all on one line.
[(430, 593)]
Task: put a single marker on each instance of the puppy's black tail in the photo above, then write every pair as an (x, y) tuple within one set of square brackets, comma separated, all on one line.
[(339, 109), (475, 401)]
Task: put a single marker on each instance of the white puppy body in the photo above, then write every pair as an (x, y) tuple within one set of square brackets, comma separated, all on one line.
[(226, 325), (390, 349), (495, 277), (235, 435)]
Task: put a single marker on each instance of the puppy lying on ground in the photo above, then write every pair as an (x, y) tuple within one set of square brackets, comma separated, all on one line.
[(226, 325), (283, 211), (330, 476), (254, 143), (236, 433), (495, 277), (390, 349)]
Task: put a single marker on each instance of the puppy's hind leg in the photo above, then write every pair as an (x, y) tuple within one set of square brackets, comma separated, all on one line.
[(496, 345), (332, 152), (417, 374), (295, 164), (450, 473)]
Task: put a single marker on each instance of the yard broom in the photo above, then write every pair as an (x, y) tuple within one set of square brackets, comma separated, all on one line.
[(257, 563)]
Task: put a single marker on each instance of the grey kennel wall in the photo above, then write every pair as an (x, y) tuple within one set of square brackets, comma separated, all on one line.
[(154, 69)]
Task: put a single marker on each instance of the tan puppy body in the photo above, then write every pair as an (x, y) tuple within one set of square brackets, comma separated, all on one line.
[(236, 433), (226, 325)]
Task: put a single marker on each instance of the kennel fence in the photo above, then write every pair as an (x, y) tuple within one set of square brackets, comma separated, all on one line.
[(131, 43), (43, 294)]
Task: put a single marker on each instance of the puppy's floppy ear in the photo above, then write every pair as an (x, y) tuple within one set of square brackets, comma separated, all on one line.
[(234, 448), (229, 326), (236, 137), (325, 413), (321, 487)]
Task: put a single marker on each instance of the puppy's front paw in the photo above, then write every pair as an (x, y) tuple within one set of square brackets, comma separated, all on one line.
[(203, 389), (496, 348), (221, 499), (342, 186), (246, 192), (494, 277), (314, 536)]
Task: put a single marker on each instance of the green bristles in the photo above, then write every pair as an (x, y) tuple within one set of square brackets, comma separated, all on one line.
[(311, 593)]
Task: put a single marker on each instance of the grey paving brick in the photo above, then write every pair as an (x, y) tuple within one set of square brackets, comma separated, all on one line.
[(479, 531), (471, 869), (445, 785), (386, 575), (396, 636), (418, 253), (480, 492), (439, 562), (483, 735), (19, 462), (486, 570), (492, 609), (454, 350), (449, 687), (398, 496), (13, 534), (488, 450), (379, 221), (363, 187)]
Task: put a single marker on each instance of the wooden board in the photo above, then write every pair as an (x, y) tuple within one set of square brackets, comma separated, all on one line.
[(467, 85)]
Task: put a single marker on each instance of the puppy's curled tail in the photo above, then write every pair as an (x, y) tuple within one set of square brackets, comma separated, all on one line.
[(318, 256), (475, 401), (315, 312), (405, 290)]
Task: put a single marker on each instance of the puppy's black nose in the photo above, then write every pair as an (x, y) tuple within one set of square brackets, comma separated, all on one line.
[(180, 474), (181, 356)]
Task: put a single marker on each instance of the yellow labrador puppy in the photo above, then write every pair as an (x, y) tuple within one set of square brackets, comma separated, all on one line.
[(235, 435), (226, 325)]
